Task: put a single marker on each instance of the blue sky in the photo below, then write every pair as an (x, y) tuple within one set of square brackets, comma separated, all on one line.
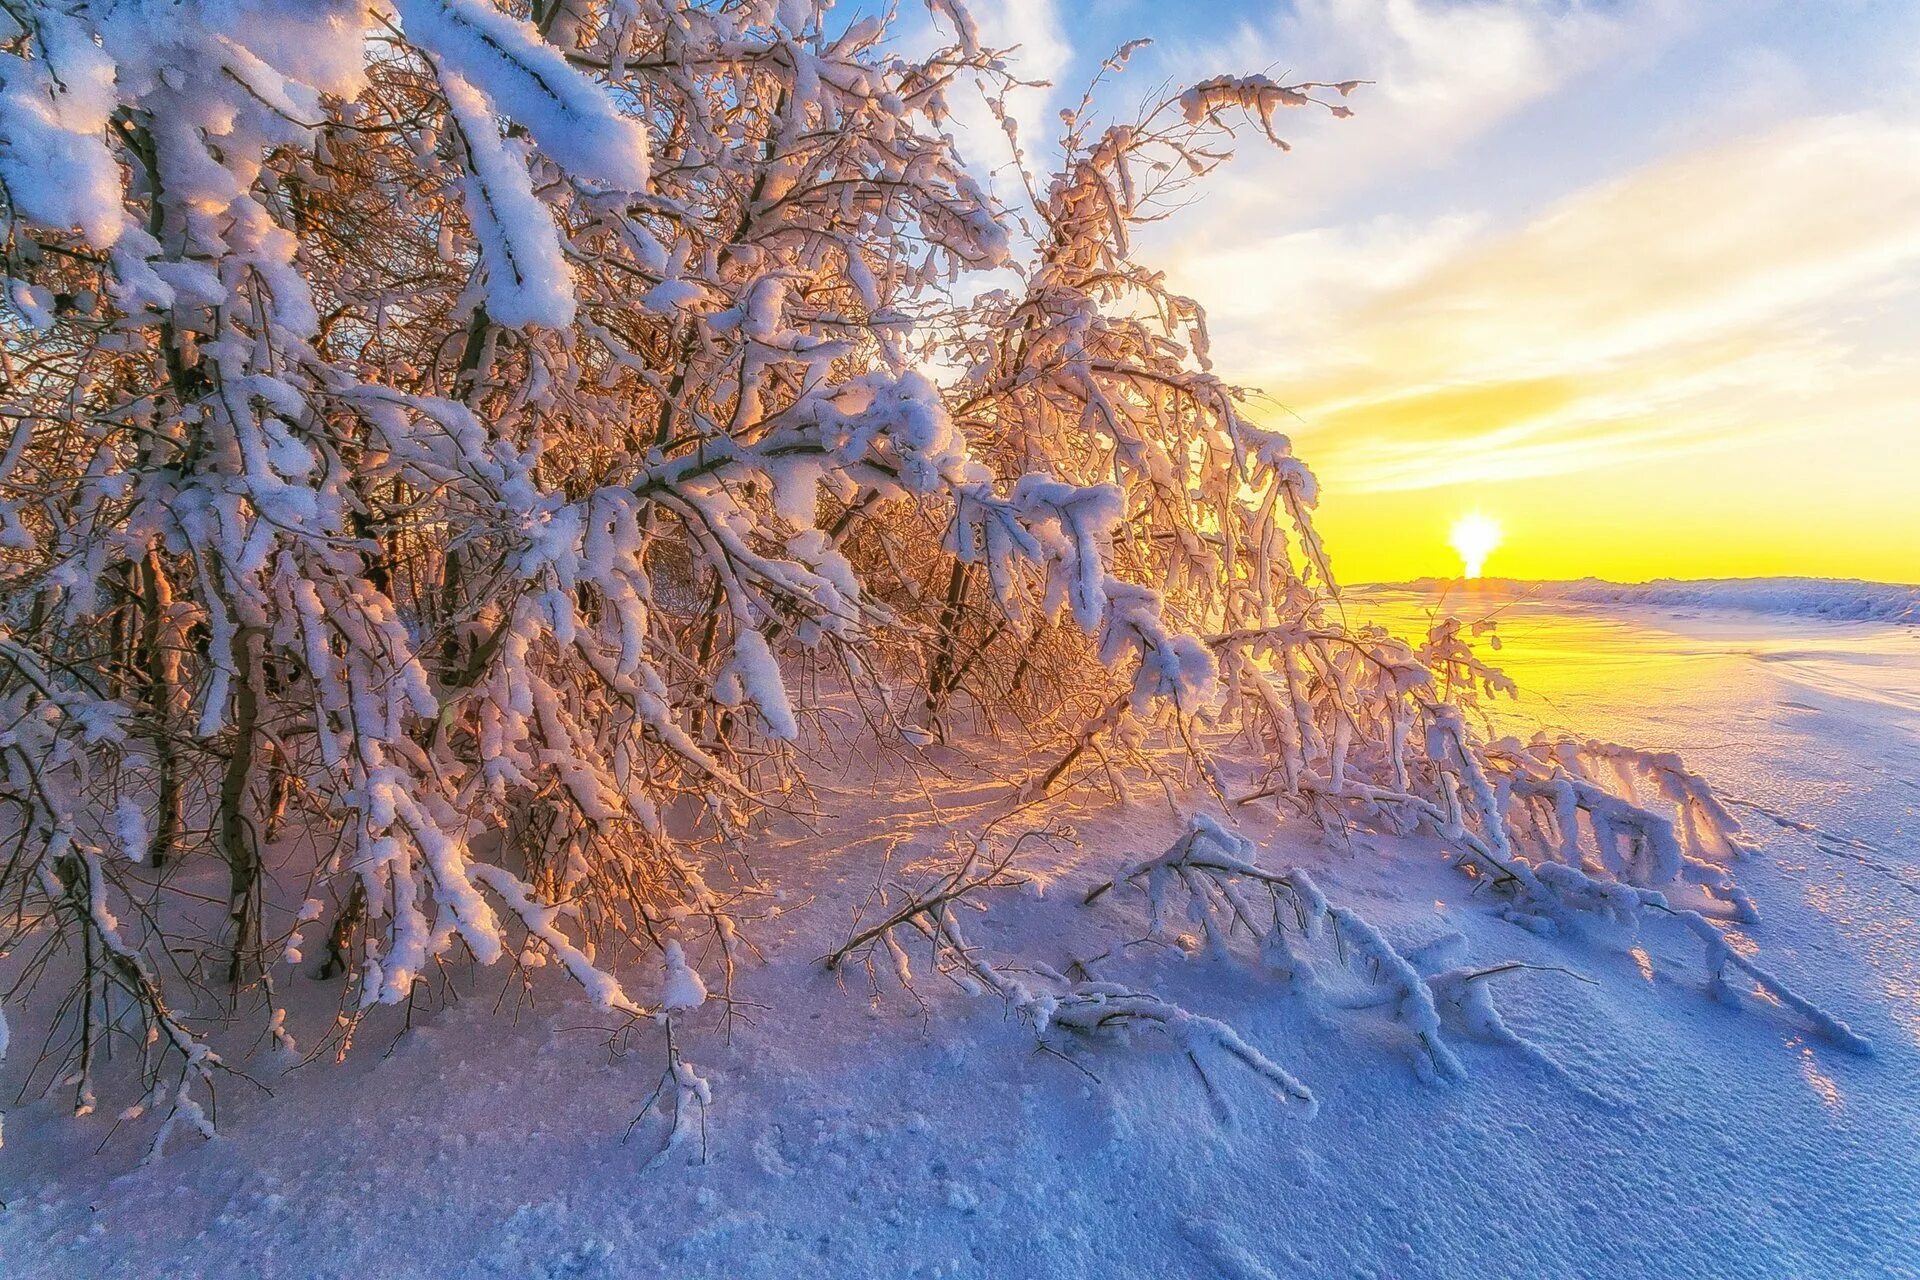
[(1640, 279)]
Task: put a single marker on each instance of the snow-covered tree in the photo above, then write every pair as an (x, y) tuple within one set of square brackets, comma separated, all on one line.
[(444, 439)]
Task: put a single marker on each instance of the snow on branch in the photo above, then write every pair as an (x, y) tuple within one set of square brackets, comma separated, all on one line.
[(1260, 97), (1281, 914), (570, 117)]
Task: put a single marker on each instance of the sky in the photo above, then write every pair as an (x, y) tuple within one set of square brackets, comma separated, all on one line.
[(1637, 279)]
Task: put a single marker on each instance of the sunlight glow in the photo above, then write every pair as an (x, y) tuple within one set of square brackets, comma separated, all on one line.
[(1475, 537)]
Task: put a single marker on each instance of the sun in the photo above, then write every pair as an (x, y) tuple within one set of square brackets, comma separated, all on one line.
[(1475, 537)]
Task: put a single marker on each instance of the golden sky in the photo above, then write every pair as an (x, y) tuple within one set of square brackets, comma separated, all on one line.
[(1662, 374), (1640, 279)]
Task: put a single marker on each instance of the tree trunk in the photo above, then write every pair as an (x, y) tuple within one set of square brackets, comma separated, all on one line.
[(238, 841), (162, 665)]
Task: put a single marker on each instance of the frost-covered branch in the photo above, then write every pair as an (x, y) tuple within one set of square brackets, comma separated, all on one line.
[(1046, 1003), (1227, 894)]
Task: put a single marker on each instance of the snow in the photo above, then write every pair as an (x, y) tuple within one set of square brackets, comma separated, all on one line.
[(1633, 1123), (682, 988), (530, 81), (538, 639), (53, 163), (672, 295), (1258, 96), (130, 828), (528, 280), (761, 683)]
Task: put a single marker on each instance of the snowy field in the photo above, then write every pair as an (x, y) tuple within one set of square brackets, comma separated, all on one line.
[(1650, 1130)]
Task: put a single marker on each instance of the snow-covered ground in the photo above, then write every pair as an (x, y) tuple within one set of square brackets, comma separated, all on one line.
[(1663, 1132)]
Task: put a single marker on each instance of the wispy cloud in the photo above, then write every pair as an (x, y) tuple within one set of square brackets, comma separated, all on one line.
[(1705, 294), (1445, 73)]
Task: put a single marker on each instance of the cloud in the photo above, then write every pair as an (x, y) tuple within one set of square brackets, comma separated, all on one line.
[(1445, 73), (1676, 251), (1034, 26), (1710, 296)]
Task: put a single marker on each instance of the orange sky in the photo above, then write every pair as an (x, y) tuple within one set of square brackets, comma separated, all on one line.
[(1697, 368)]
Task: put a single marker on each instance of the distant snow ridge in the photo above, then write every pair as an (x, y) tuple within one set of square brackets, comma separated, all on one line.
[(1846, 599)]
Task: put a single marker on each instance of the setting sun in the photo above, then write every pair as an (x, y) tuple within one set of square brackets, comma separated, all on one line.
[(1475, 537)]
